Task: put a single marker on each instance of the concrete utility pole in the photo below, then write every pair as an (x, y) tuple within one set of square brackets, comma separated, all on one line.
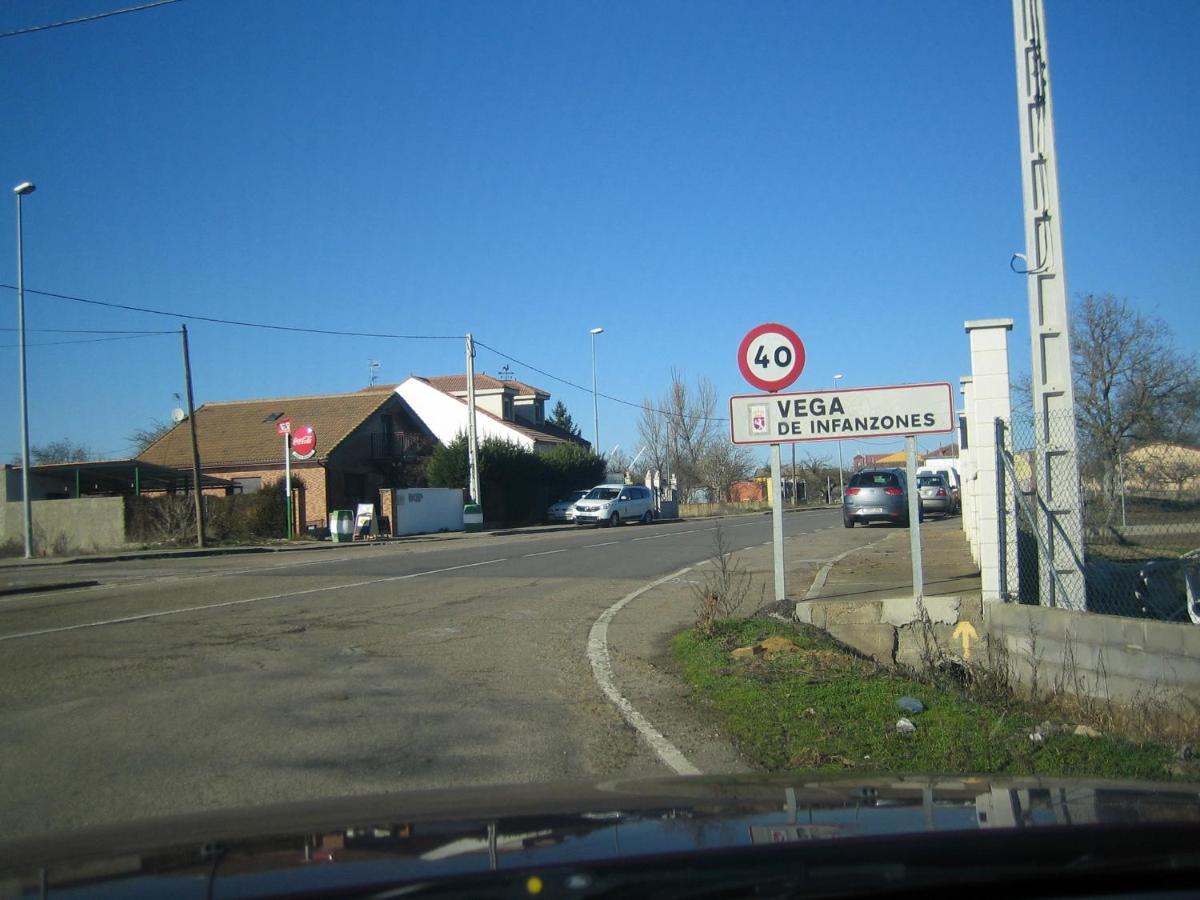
[(1056, 448), (472, 440), (187, 380)]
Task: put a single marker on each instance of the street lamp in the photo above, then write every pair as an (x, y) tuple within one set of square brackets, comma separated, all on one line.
[(841, 484), (595, 404), (25, 187)]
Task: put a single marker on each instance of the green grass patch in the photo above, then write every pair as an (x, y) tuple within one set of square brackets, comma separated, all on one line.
[(825, 709)]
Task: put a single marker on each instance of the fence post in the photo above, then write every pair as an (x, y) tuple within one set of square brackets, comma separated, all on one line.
[(1002, 510)]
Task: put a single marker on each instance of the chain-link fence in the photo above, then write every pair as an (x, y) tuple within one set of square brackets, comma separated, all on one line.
[(1137, 514)]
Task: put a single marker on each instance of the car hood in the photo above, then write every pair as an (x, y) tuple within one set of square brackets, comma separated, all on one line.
[(338, 844)]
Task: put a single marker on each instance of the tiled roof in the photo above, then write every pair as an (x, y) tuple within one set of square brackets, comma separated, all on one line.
[(457, 384), (241, 432)]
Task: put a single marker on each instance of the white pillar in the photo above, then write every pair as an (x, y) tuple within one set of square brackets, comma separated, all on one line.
[(990, 381)]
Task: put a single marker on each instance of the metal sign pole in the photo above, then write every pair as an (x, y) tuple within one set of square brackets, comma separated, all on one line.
[(287, 478), (914, 517), (777, 521)]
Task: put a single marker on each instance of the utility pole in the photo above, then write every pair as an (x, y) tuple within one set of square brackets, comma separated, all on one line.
[(472, 438), (1056, 447), (187, 379)]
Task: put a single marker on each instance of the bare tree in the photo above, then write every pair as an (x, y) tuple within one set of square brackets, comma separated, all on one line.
[(1132, 386), (61, 451), (683, 435), (141, 438), (1131, 383)]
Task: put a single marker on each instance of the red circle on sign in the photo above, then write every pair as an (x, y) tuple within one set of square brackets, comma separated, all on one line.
[(304, 442), (784, 358)]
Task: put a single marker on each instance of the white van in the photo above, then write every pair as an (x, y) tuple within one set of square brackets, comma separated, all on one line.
[(612, 504)]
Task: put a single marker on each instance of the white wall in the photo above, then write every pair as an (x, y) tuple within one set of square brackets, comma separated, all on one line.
[(427, 510), (446, 416)]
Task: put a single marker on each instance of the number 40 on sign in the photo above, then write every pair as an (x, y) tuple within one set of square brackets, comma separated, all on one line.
[(771, 357)]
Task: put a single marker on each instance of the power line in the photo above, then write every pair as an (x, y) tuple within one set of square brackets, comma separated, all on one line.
[(217, 321), (92, 18), (88, 331), (128, 337), (580, 387)]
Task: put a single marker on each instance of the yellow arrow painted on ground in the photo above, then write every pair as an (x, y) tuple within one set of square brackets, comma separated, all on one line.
[(965, 632)]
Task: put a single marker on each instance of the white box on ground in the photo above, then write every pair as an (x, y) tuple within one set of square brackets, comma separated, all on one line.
[(426, 510), (897, 410)]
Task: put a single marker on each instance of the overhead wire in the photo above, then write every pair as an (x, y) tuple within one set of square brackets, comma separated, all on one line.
[(92, 18), (88, 331), (219, 321), (127, 337)]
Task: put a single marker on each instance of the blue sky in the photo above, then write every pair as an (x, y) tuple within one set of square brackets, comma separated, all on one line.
[(674, 172)]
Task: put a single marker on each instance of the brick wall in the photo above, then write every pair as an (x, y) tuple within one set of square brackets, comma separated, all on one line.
[(311, 476)]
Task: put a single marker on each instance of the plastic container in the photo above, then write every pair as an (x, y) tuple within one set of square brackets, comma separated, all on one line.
[(472, 517), (341, 525)]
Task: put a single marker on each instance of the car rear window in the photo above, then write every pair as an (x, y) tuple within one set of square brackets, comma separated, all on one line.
[(929, 481), (874, 479)]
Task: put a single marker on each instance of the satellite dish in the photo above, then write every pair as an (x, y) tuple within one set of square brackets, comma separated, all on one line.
[(178, 415)]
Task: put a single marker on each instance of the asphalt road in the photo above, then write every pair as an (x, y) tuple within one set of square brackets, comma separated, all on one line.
[(178, 685)]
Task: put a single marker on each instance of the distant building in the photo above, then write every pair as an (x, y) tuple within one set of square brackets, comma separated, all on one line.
[(511, 410), (361, 438)]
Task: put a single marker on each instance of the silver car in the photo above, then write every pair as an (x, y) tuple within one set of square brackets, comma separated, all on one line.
[(612, 504), (564, 510), (876, 495), (935, 492)]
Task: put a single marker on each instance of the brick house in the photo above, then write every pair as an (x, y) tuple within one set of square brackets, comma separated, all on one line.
[(363, 441)]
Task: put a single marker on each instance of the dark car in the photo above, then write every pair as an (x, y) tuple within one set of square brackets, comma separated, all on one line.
[(876, 495)]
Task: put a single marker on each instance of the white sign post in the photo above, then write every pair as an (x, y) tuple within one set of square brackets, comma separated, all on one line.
[(283, 427), (903, 410), (771, 357)]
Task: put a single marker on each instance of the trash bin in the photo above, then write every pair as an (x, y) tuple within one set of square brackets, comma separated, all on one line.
[(341, 525), (472, 517)]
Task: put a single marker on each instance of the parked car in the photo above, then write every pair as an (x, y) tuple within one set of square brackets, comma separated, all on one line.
[(877, 495), (612, 504), (936, 495), (564, 510)]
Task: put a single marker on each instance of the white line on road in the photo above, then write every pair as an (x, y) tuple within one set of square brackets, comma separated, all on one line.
[(187, 609), (605, 544), (653, 537), (597, 651), (544, 553)]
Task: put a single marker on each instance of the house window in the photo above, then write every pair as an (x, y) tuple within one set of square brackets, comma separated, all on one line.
[(539, 412), (508, 408), (248, 485)]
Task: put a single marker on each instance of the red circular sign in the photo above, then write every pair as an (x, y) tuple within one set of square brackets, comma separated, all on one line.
[(304, 442), (771, 356)]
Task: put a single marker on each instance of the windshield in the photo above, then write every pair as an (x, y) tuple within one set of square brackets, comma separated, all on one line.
[(315, 319)]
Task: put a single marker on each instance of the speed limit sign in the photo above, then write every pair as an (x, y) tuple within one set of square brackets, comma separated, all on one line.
[(771, 356)]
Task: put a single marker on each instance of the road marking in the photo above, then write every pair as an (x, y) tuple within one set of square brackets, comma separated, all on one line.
[(187, 609), (605, 544), (597, 651), (653, 537), (544, 553)]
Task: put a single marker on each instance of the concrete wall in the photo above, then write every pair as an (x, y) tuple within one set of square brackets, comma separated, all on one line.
[(893, 631), (68, 526), (1125, 659)]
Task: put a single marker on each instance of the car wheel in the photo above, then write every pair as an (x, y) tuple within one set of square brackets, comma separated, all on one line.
[(847, 521), (614, 520), (647, 517)]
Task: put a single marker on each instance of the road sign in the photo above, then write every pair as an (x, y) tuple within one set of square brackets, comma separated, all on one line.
[(283, 426), (304, 442), (771, 356), (892, 411)]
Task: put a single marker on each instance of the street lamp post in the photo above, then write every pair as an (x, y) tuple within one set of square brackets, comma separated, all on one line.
[(841, 484), (595, 404), (21, 190)]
